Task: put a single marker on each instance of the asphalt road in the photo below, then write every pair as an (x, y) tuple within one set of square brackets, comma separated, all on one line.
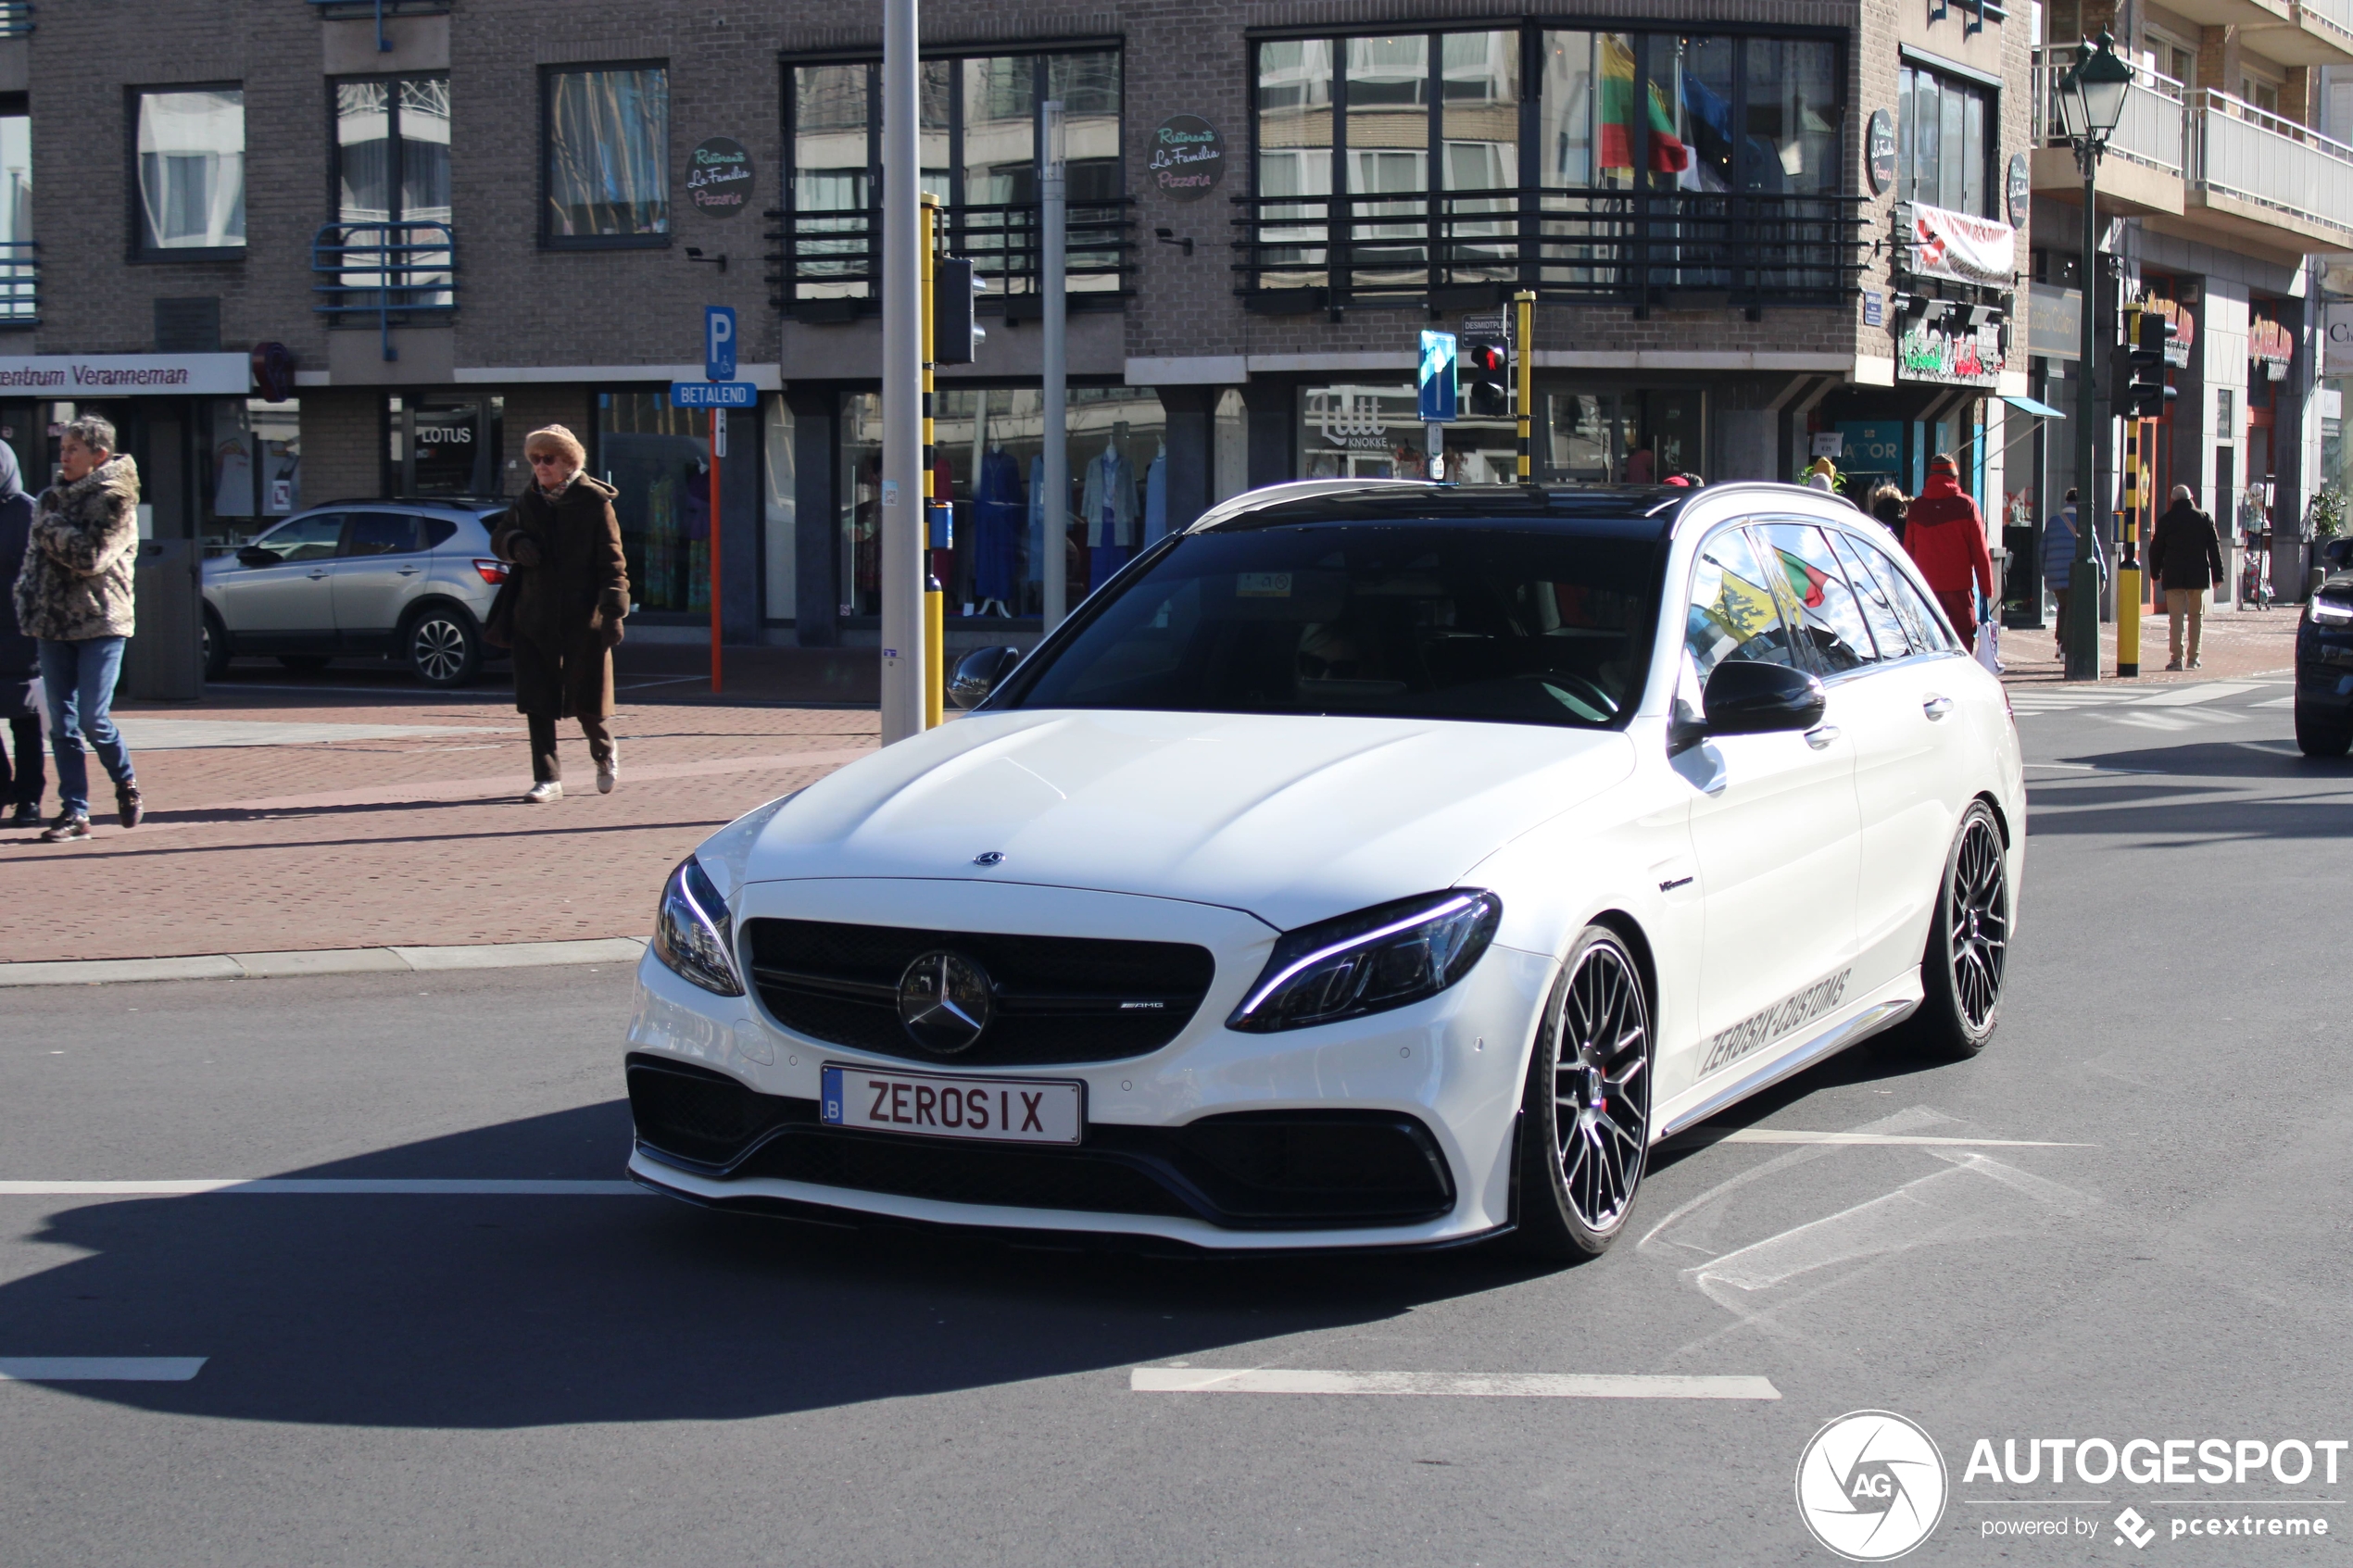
[(2140, 1233)]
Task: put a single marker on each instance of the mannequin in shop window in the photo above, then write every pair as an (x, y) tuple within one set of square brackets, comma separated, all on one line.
[(997, 519), (1110, 508)]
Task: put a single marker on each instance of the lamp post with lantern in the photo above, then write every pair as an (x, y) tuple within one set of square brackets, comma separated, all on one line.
[(2091, 102)]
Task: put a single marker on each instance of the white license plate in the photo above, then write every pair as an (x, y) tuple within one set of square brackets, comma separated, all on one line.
[(993, 1110)]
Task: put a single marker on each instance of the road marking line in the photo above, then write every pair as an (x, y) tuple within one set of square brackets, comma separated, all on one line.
[(307, 1187), (1478, 1384), (2183, 696), (100, 1369), (323, 960), (1878, 1140), (2274, 702)]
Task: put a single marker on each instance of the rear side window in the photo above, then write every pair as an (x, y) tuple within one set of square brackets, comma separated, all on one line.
[(1926, 628), (1733, 614), (384, 534), (1826, 612), (439, 531), (1887, 626)]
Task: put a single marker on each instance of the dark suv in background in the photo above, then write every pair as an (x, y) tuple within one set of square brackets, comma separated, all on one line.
[(410, 579), (2324, 659)]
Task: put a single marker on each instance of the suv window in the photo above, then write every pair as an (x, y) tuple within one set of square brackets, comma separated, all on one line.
[(1927, 629), (304, 538), (1825, 605), (383, 534), (1732, 614), (439, 531), (1887, 626)]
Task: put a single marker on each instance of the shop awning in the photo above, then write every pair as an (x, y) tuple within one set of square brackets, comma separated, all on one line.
[(2029, 406)]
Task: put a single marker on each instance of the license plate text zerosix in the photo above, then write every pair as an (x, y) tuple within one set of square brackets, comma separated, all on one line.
[(919, 1105)]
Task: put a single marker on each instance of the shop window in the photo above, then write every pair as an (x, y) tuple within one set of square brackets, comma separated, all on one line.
[(780, 508), (659, 458), (988, 445), (255, 473), (1630, 437), (1229, 448), (1374, 431), (191, 162), (1943, 155), (443, 443), (606, 143)]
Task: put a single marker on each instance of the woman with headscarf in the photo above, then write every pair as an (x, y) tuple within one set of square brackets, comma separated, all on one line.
[(570, 591), (21, 787), (1945, 534)]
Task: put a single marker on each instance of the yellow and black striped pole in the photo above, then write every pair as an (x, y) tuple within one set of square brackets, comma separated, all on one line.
[(935, 597), (1524, 373)]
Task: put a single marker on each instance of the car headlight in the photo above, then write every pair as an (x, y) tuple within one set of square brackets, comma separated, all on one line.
[(1386, 957), (694, 934), (2332, 612)]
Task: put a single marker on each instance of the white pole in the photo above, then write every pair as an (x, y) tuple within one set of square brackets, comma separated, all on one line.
[(902, 377), (1051, 278)]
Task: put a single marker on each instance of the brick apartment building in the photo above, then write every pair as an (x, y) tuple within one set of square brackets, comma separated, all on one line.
[(480, 216)]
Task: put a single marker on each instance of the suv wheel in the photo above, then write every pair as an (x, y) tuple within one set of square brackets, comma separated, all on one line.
[(2319, 736), (216, 646), (442, 647)]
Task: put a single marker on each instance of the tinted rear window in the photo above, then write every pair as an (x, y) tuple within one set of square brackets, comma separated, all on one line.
[(1387, 620)]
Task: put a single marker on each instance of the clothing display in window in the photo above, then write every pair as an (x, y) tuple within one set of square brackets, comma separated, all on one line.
[(996, 547), (1156, 496), (1109, 503), (939, 527)]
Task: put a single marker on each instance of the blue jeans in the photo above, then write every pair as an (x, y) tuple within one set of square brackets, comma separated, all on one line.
[(80, 677)]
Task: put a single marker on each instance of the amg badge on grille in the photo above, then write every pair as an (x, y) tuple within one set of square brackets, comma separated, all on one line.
[(944, 1001)]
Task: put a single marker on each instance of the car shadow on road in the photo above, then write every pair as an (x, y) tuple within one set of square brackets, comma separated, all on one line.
[(495, 1312)]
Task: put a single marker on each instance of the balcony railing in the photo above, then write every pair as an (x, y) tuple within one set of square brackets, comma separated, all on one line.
[(2151, 130), (2257, 156), (392, 274), (1596, 245), (829, 263), (19, 283), (16, 18)]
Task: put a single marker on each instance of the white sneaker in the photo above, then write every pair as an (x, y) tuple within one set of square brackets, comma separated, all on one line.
[(543, 793), (608, 773)]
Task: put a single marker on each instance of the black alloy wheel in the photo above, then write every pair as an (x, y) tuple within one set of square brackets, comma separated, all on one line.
[(442, 647), (1585, 1122), (2319, 736), (1969, 940)]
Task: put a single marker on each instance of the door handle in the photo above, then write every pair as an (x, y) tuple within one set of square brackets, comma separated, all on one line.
[(1937, 706), (1821, 736), (318, 574), (411, 571)]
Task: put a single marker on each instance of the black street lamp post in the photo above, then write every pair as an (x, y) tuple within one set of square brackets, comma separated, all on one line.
[(2091, 101)]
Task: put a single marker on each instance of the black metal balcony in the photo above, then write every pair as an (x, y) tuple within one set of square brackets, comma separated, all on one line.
[(1467, 249), (827, 265), (19, 283), (16, 18), (385, 275)]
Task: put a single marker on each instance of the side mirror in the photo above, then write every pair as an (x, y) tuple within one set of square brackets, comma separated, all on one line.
[(2338, 553), (254, 555), (1745, 698), (977, 674)]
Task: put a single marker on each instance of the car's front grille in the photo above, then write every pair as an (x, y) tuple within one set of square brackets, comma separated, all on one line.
[(1054, 998), (1270, 1170)]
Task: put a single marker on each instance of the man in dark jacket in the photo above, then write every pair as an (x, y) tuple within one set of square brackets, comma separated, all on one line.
[(1945, 534), (21, 787), (2186, 560)]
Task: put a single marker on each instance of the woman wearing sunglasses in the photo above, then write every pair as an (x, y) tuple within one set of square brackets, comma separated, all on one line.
[(571, 591)]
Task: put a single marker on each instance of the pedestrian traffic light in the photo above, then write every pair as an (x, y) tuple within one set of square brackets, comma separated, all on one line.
[(1486, 375), (2146, 393)]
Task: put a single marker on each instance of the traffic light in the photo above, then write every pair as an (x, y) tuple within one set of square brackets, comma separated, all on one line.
[(1486, 375), (2146, 393), (955, 336)]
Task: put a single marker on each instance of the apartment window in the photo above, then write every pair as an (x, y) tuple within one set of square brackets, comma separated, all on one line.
[(19, 270), (606, 141), (1943, 155), (392, 150), (190, 146)]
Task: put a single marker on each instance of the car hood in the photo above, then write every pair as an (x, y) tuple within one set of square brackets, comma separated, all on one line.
[(1292, 819)]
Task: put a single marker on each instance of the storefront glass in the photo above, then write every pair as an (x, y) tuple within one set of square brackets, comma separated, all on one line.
[(659, 457), (781, 547), (987, 444), (1629, 437), (256, 468), (443, 443), (1374, 432)]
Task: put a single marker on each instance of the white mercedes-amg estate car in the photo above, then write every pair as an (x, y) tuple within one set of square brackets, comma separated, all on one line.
[(1371, 865)]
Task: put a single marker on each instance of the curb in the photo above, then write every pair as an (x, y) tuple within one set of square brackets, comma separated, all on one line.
[(333, 960)]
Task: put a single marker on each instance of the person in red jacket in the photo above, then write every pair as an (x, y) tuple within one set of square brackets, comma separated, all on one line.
[(1945, 534)]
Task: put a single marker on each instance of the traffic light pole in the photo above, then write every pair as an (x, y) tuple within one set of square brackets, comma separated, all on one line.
[(2084, 602), (1524, 374), (2127, 564), (934, 599)]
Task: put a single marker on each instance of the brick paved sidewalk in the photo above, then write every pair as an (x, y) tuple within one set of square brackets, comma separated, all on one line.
[(285, 821), (2237, 645)]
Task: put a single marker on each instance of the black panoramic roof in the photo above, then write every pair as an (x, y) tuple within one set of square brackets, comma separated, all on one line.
[(1650, 508)]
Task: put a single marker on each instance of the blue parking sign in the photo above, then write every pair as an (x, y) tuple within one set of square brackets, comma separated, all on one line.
[(719, 343)]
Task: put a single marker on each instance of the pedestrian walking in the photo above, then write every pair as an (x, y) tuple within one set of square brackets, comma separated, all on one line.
[(1945, 534), (20, 786), (2186, 560), (74, 594), (569, 591), (2058, 565), (1889, 504)]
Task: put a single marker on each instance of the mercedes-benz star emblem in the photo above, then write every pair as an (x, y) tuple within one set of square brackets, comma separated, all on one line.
[(944, 1000), (989, 858)]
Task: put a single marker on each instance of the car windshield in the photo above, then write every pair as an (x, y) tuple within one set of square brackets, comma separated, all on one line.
[(1423, 620)]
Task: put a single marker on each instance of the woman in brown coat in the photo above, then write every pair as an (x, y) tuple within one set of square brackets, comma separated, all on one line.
[(570, 594)]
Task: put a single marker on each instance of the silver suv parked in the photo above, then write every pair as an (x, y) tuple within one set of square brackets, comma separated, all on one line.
[(410, 579)]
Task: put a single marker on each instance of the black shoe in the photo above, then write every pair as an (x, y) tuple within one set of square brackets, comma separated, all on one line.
[(26, 815), (66, 828), (127, 801)]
